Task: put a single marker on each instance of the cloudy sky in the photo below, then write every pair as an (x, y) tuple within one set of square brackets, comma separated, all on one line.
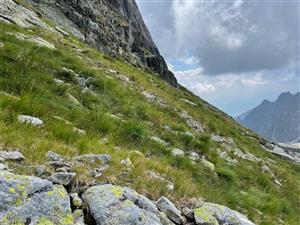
[(233, 54)]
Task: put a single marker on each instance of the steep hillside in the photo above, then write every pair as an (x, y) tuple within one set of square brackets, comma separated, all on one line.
[(60, 95), (278, 121)]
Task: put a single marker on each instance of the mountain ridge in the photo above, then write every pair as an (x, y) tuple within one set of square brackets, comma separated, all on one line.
[(278, 120)]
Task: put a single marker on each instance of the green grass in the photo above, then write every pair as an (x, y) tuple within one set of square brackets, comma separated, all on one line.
[(28, 71)]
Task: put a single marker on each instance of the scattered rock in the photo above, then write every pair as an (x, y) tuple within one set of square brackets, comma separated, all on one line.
[(101, 159), (247, 156), (208, 164), (62, 178), (159, 141), (2, 160), (214, 214), (193, 156), (177, 152), (52, 156), (79, 131), (153, 175), (154, 99), (167, 207), (24, 197), (1, 45), (30, 120), (58, 81), (76, 200), (3, 167), (128, 165), (40, 170), (109, 204), (12, 155), (195, 125), (223, 140)]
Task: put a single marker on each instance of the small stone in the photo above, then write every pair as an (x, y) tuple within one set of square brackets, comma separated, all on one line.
[(94, 158), (79, 131), (167, 207), (52, 156), (12, 155), (194, 156), (76, 200), (1, 45), (30, 120), (1, 160), (208, 164), (62, 178), (177, 152), (78, 217), (159, 141), (58, 81), (40, 170), (62, 170), (104, 141), (59, 164), (3, 166)]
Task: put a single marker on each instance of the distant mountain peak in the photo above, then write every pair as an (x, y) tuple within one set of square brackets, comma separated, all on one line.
[(277, 120)]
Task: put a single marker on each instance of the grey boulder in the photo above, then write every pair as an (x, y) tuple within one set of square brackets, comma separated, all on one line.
[(109, 205), (167, 207), (101, 159), (31, 200)]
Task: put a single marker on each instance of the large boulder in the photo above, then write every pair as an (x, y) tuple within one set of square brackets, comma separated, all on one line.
[(214, 214), (109, 204), (31, 200)]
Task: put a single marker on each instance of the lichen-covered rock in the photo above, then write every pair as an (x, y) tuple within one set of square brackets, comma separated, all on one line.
[(167, 207), (214, 214), (62, 178), (109, 204), (31, 200), (12, 155)]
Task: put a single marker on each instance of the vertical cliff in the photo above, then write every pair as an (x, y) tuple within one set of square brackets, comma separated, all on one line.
[(115, 27)]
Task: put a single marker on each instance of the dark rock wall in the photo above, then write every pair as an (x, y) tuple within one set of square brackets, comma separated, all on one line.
[(115, 27)]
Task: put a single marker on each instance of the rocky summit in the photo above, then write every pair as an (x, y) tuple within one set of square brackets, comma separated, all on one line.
[(92, 132)]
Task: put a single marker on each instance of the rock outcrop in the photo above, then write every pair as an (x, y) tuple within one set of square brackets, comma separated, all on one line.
[(114, 27)]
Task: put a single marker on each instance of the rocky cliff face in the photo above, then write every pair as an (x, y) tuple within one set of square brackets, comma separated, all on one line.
[(115, 27), (277, 120)]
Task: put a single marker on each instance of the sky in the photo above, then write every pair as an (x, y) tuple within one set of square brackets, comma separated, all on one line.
[(235, 53)]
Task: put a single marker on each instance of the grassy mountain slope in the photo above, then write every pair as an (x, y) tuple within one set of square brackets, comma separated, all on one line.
[(27, 85)]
